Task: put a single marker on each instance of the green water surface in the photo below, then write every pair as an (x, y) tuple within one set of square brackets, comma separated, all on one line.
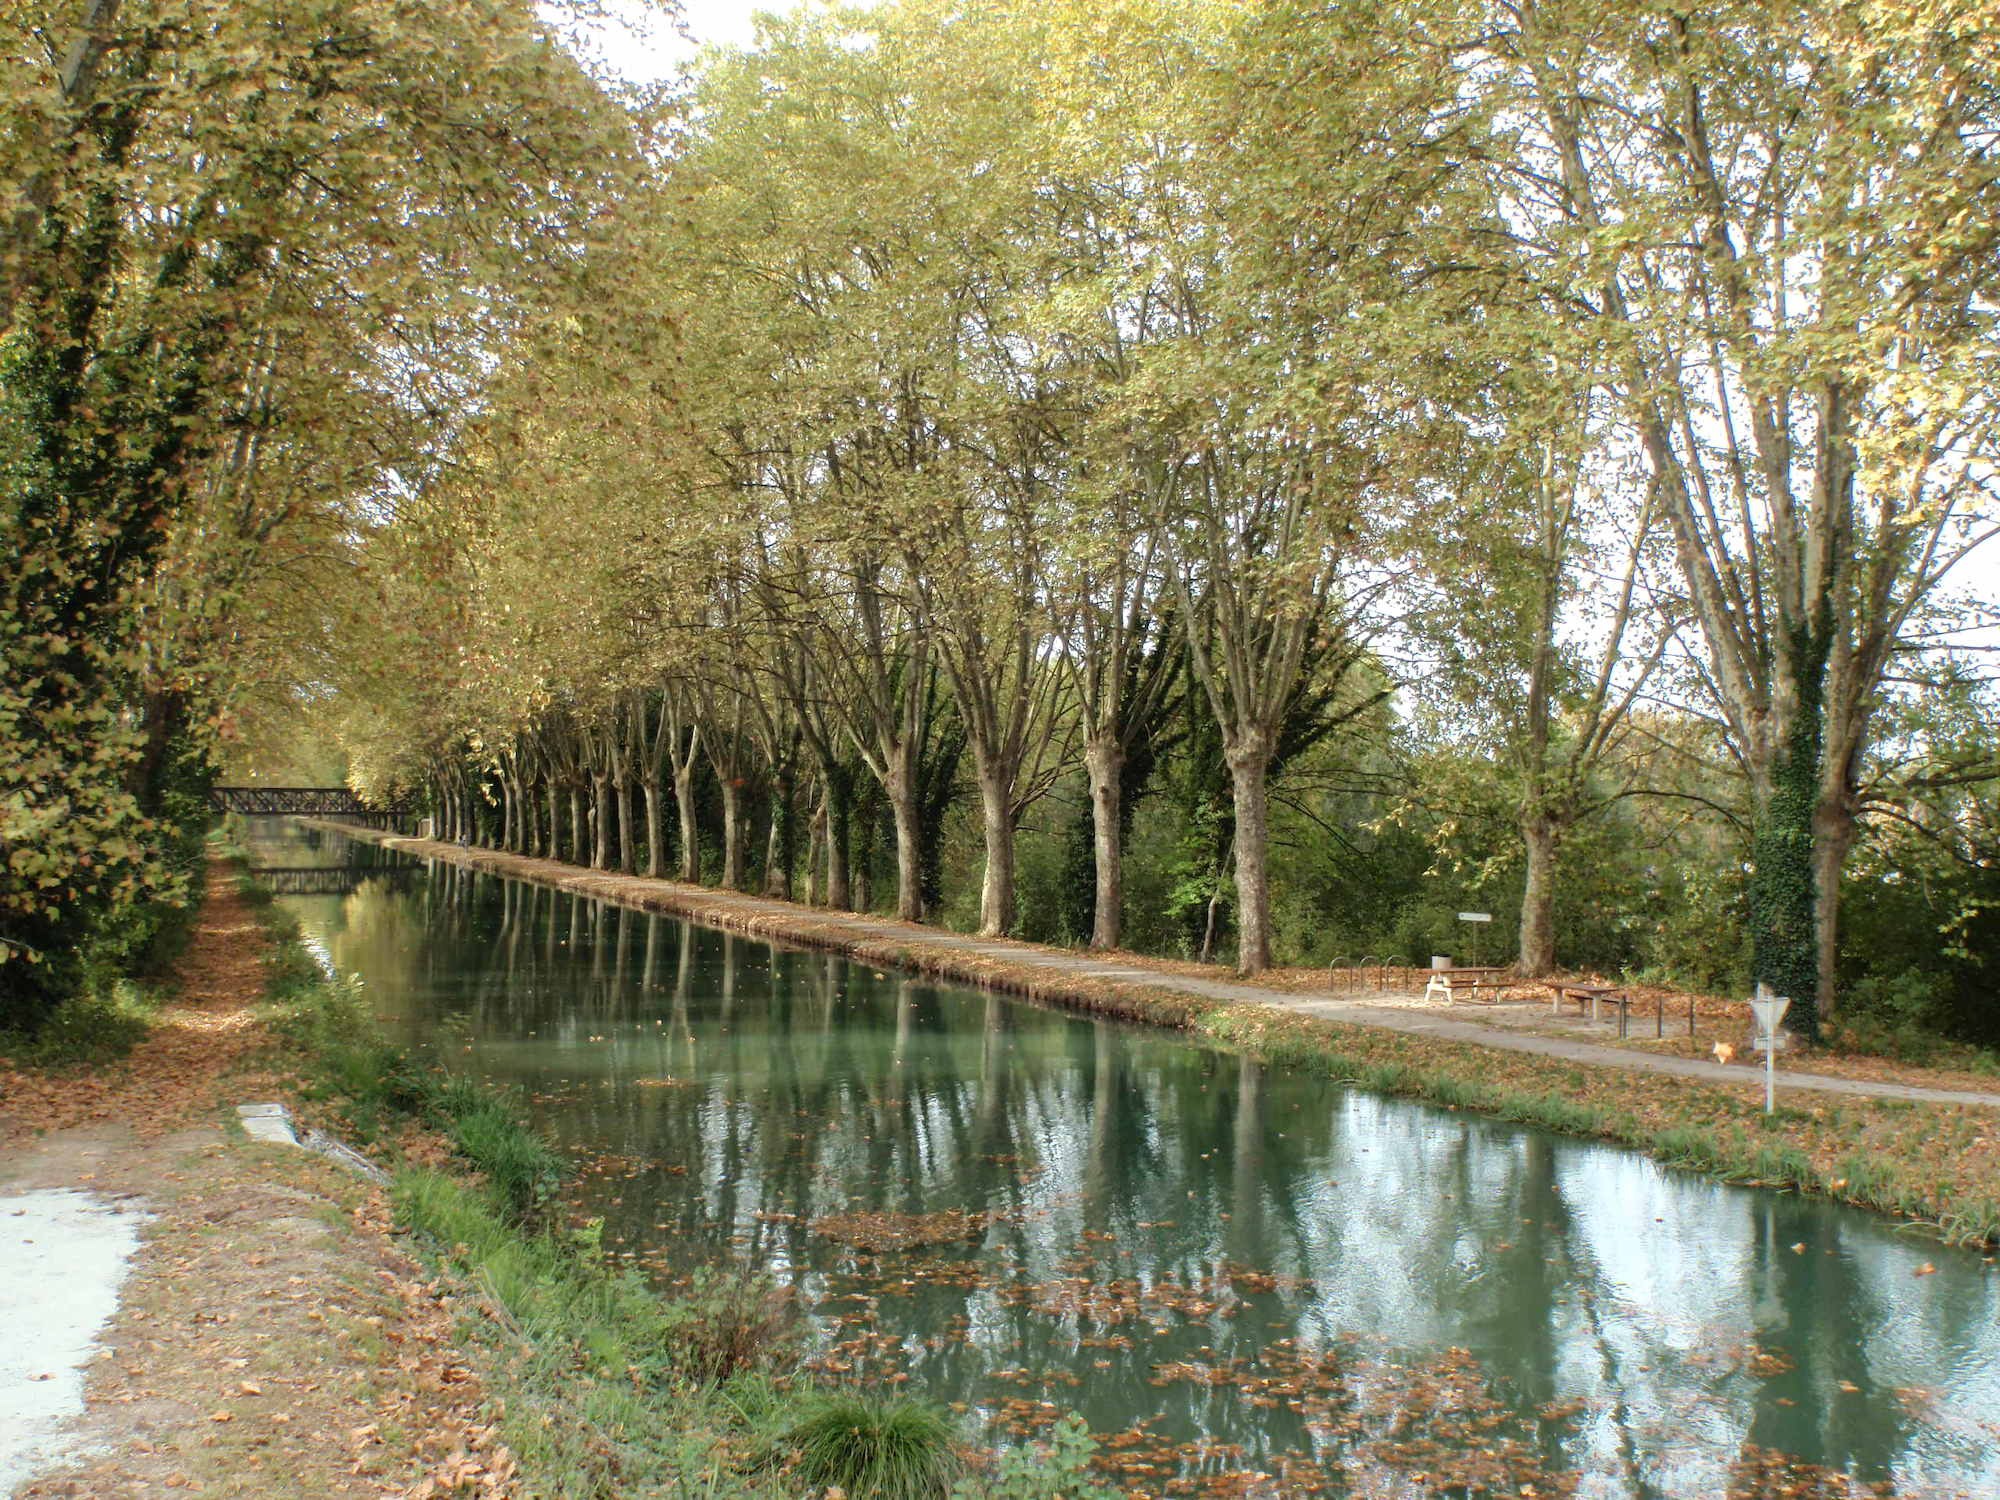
[(1247, 1279)]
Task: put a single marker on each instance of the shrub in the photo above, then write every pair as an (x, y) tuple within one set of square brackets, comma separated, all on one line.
[(726, 1322), (98, 1025), (897, 1450)]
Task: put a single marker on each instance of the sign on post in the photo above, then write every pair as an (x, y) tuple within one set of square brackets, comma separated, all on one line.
[(1769, 1010), (1475, 917)]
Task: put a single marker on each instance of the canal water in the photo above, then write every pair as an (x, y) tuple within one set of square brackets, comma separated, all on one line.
[(1249, 1281)]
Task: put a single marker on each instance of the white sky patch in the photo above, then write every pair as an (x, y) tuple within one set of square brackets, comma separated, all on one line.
[(639, 43), (63, 1257)]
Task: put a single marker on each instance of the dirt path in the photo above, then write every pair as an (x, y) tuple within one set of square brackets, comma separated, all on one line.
[(1054, 973), (271, 1339)]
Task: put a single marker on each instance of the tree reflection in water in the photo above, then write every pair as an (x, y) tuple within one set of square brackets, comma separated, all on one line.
[(1228, 1268)]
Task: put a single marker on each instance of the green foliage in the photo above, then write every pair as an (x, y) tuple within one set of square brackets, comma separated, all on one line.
[(199, 368), (100, 1024), (1920, 929), (129, 907), (872, 1449), (1056, 1470)]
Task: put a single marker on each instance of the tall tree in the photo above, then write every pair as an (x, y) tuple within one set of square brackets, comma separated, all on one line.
[(1783, 219), (189, 186)]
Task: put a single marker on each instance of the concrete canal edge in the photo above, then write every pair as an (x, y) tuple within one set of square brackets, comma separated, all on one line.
[(1878, 1145)]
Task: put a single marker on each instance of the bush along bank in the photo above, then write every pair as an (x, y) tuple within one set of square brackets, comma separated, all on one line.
[(605, 1384), (1936, 1164)]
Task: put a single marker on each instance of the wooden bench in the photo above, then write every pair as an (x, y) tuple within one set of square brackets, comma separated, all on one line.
[(1595, 995), (1450, 983)]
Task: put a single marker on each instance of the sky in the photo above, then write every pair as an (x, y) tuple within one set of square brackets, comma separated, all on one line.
[(643, 48)]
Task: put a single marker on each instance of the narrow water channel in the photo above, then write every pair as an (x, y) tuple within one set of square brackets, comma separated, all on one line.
[(1231, 1270)]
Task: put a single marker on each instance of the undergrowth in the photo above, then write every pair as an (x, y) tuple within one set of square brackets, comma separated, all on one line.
[(897, 1450), (100, 1025)]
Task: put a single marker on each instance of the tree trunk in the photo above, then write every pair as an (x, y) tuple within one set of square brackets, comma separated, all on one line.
[(656, 829), (553, 848), (1249, 765), (579, 839), (1207, 954), (1538, 896), (839, 837), (1833, 835), (1784, 904), (782, 852), (815, 838), (627, 861), (777, 879), (1104, 761), (861, 853), (732, 834), (690, 828), (506, 814), (600, 784), (996, 889), (902, 794)]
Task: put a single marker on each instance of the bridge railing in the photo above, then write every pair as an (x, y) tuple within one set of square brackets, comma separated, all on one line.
[(334, 880), (296, 801)]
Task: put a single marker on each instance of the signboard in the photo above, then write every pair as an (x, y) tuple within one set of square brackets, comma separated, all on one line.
[(1475, 916), (1769, 1010)]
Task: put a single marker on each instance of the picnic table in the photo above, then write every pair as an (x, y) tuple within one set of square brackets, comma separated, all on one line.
[(1595, 994), (1448, 982)]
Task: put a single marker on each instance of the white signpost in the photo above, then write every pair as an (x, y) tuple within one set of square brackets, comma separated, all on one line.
[(1769, 1009), (1475, 917)]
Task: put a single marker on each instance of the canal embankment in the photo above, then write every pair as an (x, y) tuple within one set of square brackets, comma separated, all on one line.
[(1928, 1154)]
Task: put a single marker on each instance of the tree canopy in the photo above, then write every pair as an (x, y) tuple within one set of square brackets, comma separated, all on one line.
[(948, 452)]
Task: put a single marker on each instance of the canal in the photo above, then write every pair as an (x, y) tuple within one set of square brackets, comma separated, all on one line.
[(1248, 1280)]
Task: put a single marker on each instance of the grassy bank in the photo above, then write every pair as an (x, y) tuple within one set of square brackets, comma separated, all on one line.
[(1935, 1164), (1938, 1165), (605, 1384)]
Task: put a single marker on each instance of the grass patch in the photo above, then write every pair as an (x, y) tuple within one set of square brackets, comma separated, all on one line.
[(872, 1450)]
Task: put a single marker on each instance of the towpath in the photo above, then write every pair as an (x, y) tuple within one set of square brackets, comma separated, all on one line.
[(185, 1310)]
